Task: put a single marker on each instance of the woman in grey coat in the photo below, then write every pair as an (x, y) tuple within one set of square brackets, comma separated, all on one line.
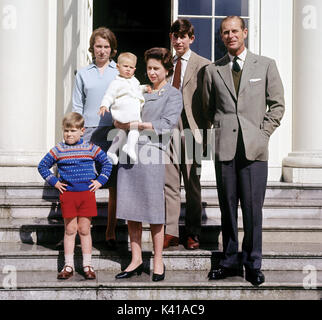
[(140, 194)]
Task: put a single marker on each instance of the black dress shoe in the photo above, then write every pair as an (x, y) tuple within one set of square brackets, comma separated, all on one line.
[(129, 274), (222, 273), (255, 276), (159, 277)]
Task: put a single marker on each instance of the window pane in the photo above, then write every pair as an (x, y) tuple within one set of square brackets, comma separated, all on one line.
[(231, 7), (220, 49), (202, 43), (195, 7)]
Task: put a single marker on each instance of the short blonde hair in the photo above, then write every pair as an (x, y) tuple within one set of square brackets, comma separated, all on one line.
[(127, 55), (73, 120)]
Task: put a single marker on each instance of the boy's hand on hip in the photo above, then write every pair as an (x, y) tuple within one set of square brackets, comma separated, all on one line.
[(94, 186), (61, 186)]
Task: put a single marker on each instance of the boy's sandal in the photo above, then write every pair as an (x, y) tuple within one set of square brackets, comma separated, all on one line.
[(89, 273), (66, 273)]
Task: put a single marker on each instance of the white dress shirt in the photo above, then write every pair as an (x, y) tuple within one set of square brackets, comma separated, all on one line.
[(240, 60)]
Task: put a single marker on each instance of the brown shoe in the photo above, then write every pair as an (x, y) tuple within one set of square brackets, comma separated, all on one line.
[(170, 241), (66, 273), (192, 243), (89, 274)]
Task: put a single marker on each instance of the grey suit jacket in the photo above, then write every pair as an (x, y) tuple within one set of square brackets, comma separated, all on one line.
[(163, 110), (257, 111), (192, 95)]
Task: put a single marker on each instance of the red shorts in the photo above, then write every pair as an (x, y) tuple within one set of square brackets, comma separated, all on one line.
[(78, 204)]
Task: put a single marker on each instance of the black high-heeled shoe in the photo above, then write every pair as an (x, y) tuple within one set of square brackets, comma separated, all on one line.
[(129, 274), (159, 277)]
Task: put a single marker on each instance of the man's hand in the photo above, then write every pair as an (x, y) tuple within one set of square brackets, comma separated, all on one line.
[(94, 186)]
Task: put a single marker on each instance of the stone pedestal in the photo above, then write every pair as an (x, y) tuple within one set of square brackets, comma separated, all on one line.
[(303, 167), (304, 164)]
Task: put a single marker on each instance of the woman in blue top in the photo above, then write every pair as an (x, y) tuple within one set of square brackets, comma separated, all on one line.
[(90, 85)]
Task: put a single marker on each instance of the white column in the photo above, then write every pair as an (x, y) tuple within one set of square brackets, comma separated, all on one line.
[(27, 65), (304, 163), (75, 24), (276, 43)]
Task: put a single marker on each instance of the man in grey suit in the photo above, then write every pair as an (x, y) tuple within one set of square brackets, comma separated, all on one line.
[(244, 98), (186, 149)]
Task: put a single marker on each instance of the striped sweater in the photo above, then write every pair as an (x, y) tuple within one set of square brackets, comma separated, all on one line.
[(76, 165)]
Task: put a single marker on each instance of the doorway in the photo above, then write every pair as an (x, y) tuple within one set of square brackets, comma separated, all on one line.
[(138, 26)]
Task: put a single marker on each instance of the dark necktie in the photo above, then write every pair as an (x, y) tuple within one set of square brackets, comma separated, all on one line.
[(236, 66), (177, 74)]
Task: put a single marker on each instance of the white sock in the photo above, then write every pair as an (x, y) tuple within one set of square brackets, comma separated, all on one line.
[(130, 152), (129, 147), (69, 260), (87, 260), (114, 158)]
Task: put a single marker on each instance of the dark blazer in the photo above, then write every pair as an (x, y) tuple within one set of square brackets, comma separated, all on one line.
[(257, 110)]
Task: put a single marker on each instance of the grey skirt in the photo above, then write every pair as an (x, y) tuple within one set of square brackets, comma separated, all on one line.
[(140, 186)]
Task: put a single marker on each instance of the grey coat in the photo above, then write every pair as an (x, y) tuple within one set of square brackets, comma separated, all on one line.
[(257, 110), (140, 194)]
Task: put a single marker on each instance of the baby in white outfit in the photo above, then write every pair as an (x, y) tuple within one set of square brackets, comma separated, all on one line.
[(124, 99)]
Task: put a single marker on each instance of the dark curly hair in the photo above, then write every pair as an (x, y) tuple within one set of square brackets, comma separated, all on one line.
[(163, 55)]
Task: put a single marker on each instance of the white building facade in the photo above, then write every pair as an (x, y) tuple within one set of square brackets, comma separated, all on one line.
[(44, 41)]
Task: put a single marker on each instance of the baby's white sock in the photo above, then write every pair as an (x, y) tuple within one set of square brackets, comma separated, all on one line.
[(130, 152), (114, 158)]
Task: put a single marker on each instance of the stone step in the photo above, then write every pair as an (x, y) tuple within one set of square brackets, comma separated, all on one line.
[(39, 231), (276, 257), (282, 200), (273, 208), (178, 285), (276, 190)]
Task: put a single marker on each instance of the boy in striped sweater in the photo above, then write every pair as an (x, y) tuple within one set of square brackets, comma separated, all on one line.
[(77, 184)]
